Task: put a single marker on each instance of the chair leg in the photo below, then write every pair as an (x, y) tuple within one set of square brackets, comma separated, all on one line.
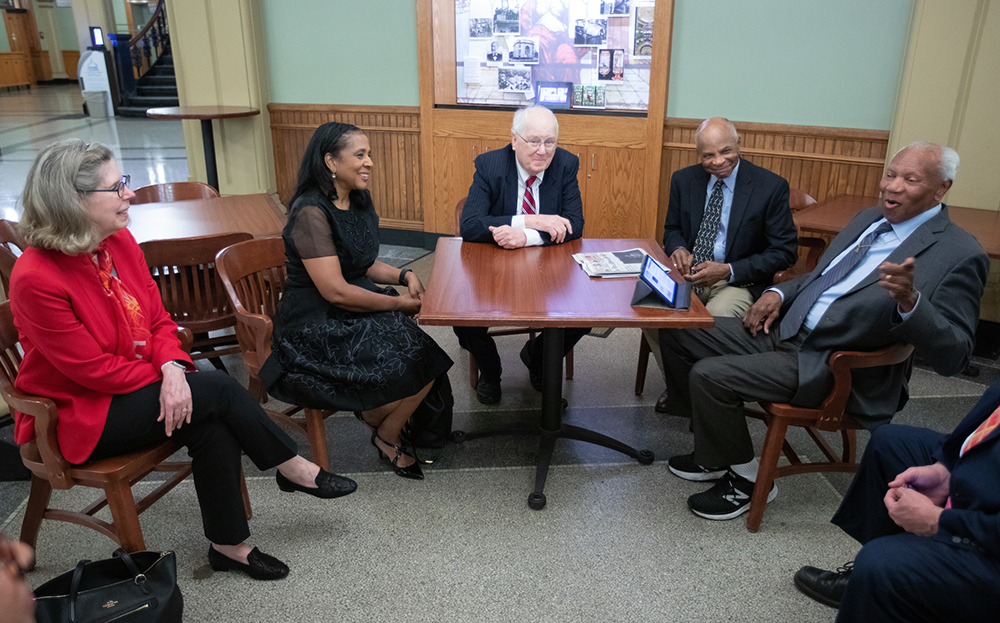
[(316, 433), (773, 442), (256, 389), (121, 503), (38, 501), (640, 370), (245, 494), (569, 365), (850, 439), (473, 372)]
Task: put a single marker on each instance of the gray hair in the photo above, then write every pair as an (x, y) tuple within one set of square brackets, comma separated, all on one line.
[(726, 122), (948, 166), (53, 213), (521, 117)]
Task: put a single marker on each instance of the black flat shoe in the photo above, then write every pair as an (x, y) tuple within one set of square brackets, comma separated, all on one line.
[(327, 485), (260, 566), (410, 471), (826, 587)]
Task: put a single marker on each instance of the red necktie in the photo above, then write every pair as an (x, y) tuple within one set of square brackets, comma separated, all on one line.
[(981, 433), (528, 205)]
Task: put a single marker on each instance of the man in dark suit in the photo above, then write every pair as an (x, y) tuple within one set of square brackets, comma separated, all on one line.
[(900, 272), (525, 194), (926, 506), (728, 227)]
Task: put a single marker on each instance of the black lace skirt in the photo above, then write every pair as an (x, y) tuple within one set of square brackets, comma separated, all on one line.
[(325, 357)]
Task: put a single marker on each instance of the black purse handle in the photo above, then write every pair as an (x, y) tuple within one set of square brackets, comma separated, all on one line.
[(74, 586)]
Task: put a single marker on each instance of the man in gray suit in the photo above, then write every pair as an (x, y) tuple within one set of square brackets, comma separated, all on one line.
[(900, 272)]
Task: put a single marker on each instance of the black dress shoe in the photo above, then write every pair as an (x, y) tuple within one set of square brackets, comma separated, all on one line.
[(259, 565), (488, 391), (327, 485), (663, 403), (826, 587), (534, 368)]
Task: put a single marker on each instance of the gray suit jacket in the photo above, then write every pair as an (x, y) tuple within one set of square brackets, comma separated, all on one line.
[(950, 274)]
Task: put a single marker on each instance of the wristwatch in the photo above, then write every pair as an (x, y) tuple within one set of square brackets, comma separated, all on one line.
[(402, 276)]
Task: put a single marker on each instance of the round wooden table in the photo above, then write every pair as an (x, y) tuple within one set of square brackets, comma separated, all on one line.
[(205, 114)]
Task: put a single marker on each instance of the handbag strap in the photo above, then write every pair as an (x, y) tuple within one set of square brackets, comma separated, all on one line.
[(74, 588), (137, 576)]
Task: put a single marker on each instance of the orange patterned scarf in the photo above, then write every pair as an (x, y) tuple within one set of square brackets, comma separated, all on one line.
[(127, 308)]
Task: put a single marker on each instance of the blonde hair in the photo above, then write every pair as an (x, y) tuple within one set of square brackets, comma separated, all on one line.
[(53, 213)]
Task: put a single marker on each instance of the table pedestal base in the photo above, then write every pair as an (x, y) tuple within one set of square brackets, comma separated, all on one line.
[(552, 427)]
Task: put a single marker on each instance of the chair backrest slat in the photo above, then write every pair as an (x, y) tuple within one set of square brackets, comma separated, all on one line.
[(173, 191)]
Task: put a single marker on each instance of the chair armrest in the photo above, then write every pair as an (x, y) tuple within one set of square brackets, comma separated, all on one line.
[(186, 337), (46, 416), (259, 327), (841, 363), (803, 265)]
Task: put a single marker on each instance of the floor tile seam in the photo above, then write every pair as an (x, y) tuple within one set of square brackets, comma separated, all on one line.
[(49, 137), (10, 518), (44, 121)]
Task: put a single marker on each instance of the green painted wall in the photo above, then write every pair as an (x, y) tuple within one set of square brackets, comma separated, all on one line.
[(789, 61), (4, 43), (63, 17), (342, 51)]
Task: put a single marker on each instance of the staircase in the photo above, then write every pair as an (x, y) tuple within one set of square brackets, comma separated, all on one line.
[(156, 89)]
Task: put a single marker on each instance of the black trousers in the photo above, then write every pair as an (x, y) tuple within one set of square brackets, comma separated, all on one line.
[(899, 576), (478, 342), (710, 373), (225, 421)]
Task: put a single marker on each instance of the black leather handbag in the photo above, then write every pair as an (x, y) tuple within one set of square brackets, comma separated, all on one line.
[(131, 588), (430, 424)]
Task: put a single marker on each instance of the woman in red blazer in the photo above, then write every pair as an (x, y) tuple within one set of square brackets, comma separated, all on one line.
[(98, 342)]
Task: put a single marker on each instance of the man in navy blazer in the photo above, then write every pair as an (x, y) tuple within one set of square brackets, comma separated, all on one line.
[(926, 507), (752, 238), (899, 272), (525, 194)]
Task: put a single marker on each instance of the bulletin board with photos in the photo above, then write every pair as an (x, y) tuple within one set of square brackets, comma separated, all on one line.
[(579, 54)]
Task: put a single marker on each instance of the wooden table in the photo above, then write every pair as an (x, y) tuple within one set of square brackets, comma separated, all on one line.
[(259, 215), (205, 114), (543, 287), (832, 215)]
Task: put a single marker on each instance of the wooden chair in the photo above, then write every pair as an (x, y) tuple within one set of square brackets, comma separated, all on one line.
[(173, 191), (11, 238), (797, 200), (253, 274), (473, 369), (184, 270), (115, 475), (7, 260), (830, 416)]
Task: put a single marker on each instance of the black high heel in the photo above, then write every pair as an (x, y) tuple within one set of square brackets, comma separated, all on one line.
[(410, 471)]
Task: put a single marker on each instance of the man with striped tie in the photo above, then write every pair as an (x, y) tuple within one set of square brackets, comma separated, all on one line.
[(898, 272), (926, 507), (523, 195)]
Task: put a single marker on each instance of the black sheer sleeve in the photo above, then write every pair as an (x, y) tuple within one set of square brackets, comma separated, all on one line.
[(312, 235)]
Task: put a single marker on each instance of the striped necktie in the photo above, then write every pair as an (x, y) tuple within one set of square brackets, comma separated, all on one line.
[(981, 433), (528, 204), (797, 313)]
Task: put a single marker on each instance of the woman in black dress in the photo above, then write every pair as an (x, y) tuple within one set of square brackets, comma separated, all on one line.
[(341, 342)]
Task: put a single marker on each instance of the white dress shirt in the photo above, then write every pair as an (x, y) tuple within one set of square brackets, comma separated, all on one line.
[(728, 188)]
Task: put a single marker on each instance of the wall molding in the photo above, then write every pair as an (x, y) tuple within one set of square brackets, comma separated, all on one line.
[(394, 133)]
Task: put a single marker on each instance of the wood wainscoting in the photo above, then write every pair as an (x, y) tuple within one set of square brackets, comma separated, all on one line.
[(71, 58), (15, 69), (822, 161), (394, 134)]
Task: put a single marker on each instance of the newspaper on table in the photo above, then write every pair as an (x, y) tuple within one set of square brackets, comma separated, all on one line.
[(612, 263)]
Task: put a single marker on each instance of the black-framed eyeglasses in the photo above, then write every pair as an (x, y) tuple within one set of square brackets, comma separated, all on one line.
[(118, 188)]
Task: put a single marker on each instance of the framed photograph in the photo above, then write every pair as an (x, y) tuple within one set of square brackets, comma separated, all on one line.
[(641, 28), (590, 32), (611, 64), (615, 7), (507, 18), (480, 28), (554, 95), (497, 49), (523, 50), (514, 80)]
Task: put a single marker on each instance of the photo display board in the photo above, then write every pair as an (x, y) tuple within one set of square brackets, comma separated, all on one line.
[(580, 54)]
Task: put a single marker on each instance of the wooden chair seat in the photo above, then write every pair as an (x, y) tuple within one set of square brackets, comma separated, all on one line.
[(253, 275), (173, 191), (114, 475), (829, 416), (185, 273), (473, 368)]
